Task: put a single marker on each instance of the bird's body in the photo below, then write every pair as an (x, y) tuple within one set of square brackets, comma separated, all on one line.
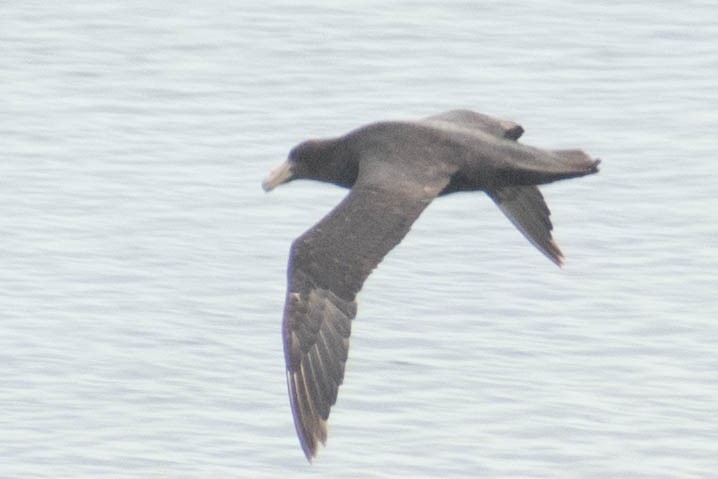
[(394, 169)]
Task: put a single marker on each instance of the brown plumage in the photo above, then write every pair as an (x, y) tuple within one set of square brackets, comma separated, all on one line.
[(394, 169)]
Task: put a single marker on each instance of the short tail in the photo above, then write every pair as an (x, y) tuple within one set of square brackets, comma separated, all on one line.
[(533, 166), (562, 165), (577, 162)]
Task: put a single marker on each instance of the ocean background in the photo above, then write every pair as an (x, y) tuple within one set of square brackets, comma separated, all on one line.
[(143, 269)]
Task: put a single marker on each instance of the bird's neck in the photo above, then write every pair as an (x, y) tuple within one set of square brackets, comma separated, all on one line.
[(341, 167)]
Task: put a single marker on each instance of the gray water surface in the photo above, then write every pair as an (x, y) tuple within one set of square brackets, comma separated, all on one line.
[(142, 268)]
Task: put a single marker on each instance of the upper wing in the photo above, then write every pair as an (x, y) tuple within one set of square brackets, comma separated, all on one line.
[(471, 119), (527, 210), (327, 268)]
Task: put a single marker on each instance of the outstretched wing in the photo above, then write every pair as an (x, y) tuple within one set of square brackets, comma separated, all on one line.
[(328, 266)]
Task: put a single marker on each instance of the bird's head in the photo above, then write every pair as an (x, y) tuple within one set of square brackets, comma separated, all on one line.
[(320, 160)]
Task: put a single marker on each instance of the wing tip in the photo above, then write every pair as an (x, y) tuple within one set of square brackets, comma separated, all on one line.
[(310, 430), (552, 252)]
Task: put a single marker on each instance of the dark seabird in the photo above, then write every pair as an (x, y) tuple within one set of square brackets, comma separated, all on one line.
[(394, 169)]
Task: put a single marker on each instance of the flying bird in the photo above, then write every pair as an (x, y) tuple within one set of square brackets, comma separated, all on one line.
[(393, 169)]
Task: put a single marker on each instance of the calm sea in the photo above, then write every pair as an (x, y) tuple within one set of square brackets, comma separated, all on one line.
[(142, 268)]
